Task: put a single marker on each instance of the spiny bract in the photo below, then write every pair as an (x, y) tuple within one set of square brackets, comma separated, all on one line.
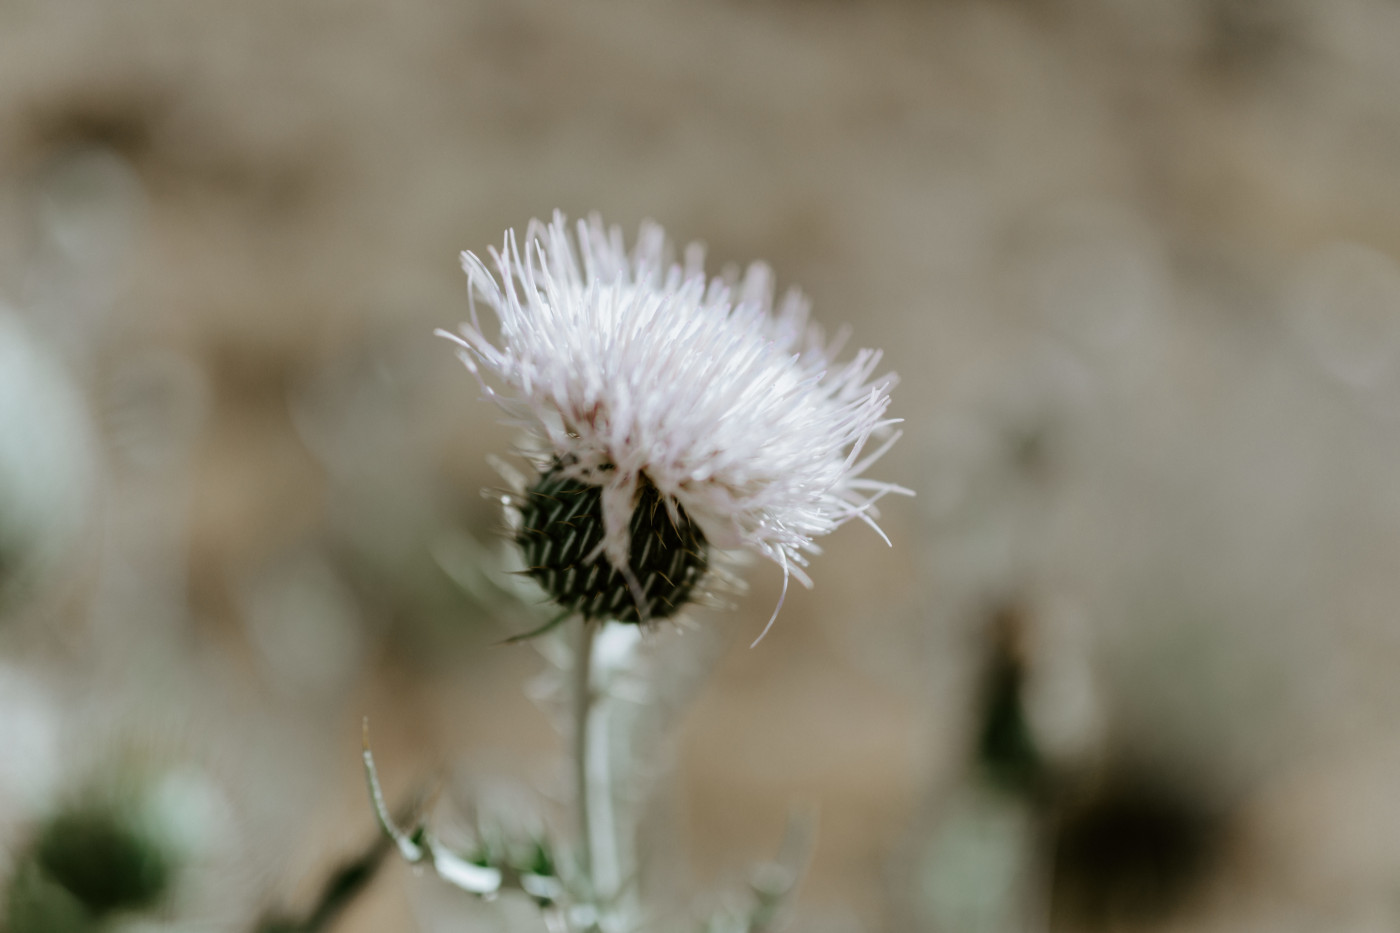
[(561, 529)]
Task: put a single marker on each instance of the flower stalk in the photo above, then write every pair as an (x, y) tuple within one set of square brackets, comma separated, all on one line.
[(602, 845), (582, 701)]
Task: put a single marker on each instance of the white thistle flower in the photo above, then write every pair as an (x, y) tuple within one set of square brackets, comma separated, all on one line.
[(632, 372)]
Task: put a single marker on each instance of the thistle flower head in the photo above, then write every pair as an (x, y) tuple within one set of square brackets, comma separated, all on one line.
[(657, 396)]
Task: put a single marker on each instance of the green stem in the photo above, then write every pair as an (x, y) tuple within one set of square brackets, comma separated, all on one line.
[(582, 707), (593, 777)]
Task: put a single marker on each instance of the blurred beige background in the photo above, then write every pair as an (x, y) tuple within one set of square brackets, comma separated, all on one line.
[(1134, 262)]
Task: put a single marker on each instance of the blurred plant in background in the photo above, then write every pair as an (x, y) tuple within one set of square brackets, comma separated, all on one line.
[(118, 855), (45, 462)]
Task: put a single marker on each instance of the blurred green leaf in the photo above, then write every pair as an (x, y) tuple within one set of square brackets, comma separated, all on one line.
[(104, 860)]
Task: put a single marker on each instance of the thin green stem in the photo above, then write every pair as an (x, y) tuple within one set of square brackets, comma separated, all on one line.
[(582, 707), (594, 779), (601, 802)]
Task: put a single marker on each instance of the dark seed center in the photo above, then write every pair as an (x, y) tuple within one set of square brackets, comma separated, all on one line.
[(561, 528)]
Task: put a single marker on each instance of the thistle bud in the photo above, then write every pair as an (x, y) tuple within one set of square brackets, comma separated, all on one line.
[(561, 537)]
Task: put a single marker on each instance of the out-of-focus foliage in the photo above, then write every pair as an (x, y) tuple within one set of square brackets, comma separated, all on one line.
[(107, 854)]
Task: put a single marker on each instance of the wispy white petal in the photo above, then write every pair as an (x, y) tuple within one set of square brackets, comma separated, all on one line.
[(624, 365)]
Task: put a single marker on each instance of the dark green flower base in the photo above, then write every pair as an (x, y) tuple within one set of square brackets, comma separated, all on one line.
[(560, 533)]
